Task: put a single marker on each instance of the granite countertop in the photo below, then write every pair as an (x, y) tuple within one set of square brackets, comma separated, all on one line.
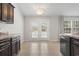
[(3, 37), (71, 35), (8, 36)]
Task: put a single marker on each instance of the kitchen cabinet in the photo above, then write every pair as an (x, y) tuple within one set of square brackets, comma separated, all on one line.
[(15, 45), (65, 45), (75, 47), (0, 11), (69, 45), (18, 44), (5, 47), (7, 13), (10, 46)]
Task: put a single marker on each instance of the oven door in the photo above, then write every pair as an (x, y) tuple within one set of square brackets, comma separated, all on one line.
[(65, 46)]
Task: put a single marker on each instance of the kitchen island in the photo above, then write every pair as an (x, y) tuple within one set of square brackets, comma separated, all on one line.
[(69, 45)]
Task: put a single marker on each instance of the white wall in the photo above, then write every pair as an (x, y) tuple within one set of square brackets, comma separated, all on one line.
[(17, 27), (61, 24), (54, 29), (53, 22)]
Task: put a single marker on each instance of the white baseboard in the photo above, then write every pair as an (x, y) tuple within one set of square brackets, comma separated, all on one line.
[(21, 41), (41, 40)]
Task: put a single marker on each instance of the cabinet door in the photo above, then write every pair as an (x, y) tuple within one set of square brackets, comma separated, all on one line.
[(10, 13), (75, 50), (64, 47), (7, 13), (14, 50), (4, 12), (14, 47), (5, 51), (75, 47), (0, 11), (18, 45)]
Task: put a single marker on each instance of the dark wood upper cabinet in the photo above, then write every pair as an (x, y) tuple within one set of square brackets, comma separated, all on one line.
[(0, 11), (10, 14), (7, 13), (4, 12)]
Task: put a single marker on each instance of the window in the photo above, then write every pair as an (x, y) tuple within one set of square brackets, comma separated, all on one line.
[(75, 26), (67, 26), (71, 26)]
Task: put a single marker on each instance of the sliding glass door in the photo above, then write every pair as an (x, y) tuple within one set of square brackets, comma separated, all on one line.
[(40, 30)]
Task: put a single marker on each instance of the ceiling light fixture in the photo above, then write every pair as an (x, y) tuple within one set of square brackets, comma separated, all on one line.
[(39, 9)]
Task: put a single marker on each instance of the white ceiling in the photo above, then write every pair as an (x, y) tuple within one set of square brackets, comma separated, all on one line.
[(71, 9)]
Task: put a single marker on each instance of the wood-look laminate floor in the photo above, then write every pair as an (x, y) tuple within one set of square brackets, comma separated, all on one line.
[(40, 49)]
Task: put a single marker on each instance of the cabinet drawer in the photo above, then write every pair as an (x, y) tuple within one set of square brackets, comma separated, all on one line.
[(5, 40), (75, 41), (5, 50), (3, 44)]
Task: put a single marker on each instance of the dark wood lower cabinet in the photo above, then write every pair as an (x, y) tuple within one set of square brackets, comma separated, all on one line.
[(15, 45), (5, 51), (5, 47), (75, 47), (69, 46), (18, 45), (75, 50), (10, 46)]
